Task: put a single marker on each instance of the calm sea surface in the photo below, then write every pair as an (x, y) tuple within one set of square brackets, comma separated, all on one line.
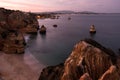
[(57, 44)]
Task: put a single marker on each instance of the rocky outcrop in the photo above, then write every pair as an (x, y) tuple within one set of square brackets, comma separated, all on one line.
[(52, 72), (85, 76), (12, 26), (88, 61), (25, 22), (111, 74), (3, 33), (42, 30), (17, 20), (1, 43), (14, 43)]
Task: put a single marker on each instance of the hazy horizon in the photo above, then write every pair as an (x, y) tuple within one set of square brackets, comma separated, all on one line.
[(101, 6)]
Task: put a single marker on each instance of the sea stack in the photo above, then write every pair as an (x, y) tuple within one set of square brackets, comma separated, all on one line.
[(55, 25), (43, 30), (69, 18), (92, 29)]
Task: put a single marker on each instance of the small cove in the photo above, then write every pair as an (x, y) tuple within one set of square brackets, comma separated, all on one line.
[(54, 47)]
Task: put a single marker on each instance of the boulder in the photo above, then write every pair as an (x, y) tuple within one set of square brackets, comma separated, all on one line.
[(89, 60)]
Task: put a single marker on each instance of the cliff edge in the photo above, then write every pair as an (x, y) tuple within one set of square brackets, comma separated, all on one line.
[(89, 60), (13, 24)]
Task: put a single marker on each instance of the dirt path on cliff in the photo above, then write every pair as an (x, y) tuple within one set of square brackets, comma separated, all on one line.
[(19, 67)]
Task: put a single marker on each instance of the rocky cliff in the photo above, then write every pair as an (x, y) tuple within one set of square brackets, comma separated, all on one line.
[(17, 20), (88, 61), (14, 42), (12, 26), (25, 22)]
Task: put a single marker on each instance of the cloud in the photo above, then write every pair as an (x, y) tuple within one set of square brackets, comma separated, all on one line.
[(23, 5), (20, 3), (52, 5)]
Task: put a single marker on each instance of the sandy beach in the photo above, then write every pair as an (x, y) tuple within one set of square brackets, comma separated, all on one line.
[(19, 67)]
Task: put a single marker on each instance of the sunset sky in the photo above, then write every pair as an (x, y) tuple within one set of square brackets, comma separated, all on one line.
[(112, 6)]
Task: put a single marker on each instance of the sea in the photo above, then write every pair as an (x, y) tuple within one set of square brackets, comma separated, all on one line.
[(54, 47)]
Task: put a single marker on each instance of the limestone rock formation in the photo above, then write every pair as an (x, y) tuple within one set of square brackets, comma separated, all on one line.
[(14, 43), (4, 14), (42, 30), (1, 43), (52, 72), (3, 33), (85, 76), (24, 22), (111, 74), (88, 61), (12, 26), (17, 20)]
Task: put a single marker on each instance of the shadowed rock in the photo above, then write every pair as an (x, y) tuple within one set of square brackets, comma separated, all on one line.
[(12, 26), (85, 76), (14, 43), (89, 57), (111, 74), (24, 22), (42, 30), (16, 20), (52, 73)]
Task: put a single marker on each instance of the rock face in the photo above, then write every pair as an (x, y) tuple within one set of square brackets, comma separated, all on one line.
[(14, 43), (25, 22), (12, 26), (88, 61), (17, 20), (42, 30), (52, 73), (3, 33)]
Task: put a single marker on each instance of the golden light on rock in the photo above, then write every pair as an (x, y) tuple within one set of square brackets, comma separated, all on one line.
[(38, 17)]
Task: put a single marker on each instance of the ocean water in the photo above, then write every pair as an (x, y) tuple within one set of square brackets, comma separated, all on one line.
[(54, 47)]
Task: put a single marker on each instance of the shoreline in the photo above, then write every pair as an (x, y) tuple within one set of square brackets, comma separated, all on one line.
[(19, 67)]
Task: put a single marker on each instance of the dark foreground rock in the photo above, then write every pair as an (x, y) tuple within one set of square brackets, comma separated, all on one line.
[(88, 61), (52, 72)]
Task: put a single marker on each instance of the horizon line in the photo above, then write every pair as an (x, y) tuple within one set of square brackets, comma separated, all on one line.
[(59, 11)]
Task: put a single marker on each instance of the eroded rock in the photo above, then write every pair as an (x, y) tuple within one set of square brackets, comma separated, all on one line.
[(85, 76), (89, 57), (12, 26), (25, 22), (111, 74), (14, 43), (52, 73)]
